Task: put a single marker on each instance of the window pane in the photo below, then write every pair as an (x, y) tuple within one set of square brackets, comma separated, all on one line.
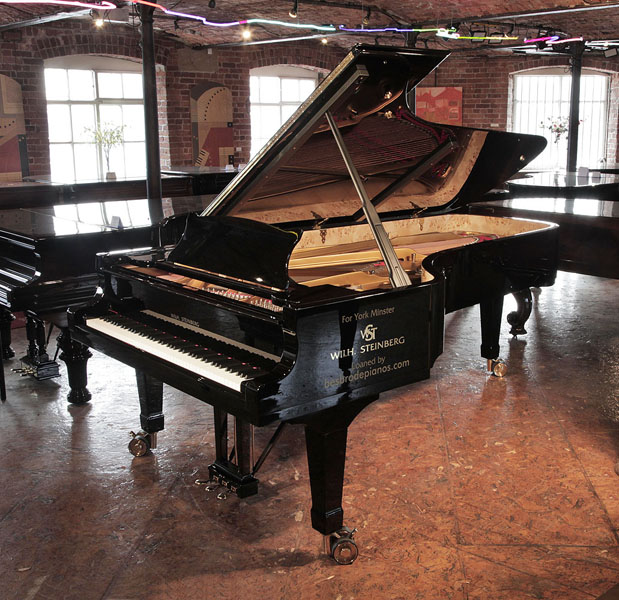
[(254, 89), (83, 119), (61, 163), (117, 161), (132, 85), (86, 162), (133, 120), (59, 122), (269, 89), (290, 90), (111, 115), (288, 110), (56, 84), (81, 85), (110, 85), (307, 86), (135, 159), (268, 121)]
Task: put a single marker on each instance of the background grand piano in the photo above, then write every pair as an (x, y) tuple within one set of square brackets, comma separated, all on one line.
[(321, 275), (49, 236)]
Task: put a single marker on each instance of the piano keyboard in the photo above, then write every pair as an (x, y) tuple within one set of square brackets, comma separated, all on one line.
[(202, 352)]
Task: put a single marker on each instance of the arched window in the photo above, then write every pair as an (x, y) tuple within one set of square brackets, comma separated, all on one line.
[(275, 93), (86, 92), (541, 105)]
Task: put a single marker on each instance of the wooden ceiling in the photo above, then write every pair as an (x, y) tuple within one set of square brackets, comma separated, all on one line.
[(595, 20)]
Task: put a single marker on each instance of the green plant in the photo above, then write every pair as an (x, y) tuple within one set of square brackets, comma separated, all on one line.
[(107, 136)]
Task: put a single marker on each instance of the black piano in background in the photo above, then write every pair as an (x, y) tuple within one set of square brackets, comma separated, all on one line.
[(47, 264), (321, 275)]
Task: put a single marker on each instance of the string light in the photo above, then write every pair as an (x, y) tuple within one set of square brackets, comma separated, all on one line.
[(548, 38), (566, 40), (448, 33), (294, 11), (103, 5), (392, 29), (454, 35)]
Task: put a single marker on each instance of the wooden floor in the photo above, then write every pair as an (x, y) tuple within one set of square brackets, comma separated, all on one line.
[(463, 486)]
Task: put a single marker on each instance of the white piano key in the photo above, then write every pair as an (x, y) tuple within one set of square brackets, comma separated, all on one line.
[(198, 366)]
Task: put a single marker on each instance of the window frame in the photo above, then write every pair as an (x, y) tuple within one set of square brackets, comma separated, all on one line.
[(555, 154), (97, 65), (283, 73)]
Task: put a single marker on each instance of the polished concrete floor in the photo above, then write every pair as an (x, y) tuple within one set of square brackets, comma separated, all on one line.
[(463, 486)]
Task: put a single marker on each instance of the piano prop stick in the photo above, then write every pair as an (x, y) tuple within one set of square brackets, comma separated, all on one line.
[(285, 302)]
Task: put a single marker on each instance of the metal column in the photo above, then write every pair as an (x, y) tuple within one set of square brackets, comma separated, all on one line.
[(572, 134), (151, 122)]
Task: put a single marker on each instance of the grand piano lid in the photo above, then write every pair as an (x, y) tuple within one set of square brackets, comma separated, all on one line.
[(407, 165)]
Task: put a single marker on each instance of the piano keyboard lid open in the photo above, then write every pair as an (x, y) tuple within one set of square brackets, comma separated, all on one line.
[(407, 165)]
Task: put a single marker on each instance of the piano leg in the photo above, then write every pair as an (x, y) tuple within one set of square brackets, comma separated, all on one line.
[(37, 362), (6, 318), (491, 312), (325, 438), (75, 355), (517, 318), (150, 392), (235, 476)]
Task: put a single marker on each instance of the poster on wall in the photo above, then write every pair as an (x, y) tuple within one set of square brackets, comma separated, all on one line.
[(211, 125), (12, 131), (439, 104)]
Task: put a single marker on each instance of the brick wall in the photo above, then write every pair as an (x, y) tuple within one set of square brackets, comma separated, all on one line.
[(486, 88), (485, 81), (232, 71), (23, 51)]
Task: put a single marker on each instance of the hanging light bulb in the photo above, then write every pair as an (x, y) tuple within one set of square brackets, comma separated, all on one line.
[(324, 41), (97, 19), (294, 11), (246, 34), (366, 19), (212, 4)]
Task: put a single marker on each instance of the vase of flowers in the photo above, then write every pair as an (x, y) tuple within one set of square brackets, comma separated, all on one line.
[(558, 127), (107, 136)]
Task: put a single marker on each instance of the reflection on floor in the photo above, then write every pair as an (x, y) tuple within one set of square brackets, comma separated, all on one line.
[(462, 487)]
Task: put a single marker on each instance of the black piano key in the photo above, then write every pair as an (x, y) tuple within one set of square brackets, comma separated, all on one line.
[(198, 346)]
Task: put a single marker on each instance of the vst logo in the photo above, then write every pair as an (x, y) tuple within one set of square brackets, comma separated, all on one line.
[(369, 333)]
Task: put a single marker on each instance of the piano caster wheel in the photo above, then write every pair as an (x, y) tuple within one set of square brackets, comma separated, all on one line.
[(497, 367), (342, 547), (141, 443)]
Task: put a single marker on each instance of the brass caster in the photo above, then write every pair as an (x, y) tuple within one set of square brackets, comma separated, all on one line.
[(342, 546), (141, 443), (497, 367)]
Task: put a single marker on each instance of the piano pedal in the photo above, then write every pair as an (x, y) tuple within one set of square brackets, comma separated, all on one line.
[(39, 369), (497, 366), (341, 546), (210, 485), (227, 475), (142, 442)]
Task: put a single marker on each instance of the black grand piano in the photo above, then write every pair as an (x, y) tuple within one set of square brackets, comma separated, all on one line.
[(321, 275)]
